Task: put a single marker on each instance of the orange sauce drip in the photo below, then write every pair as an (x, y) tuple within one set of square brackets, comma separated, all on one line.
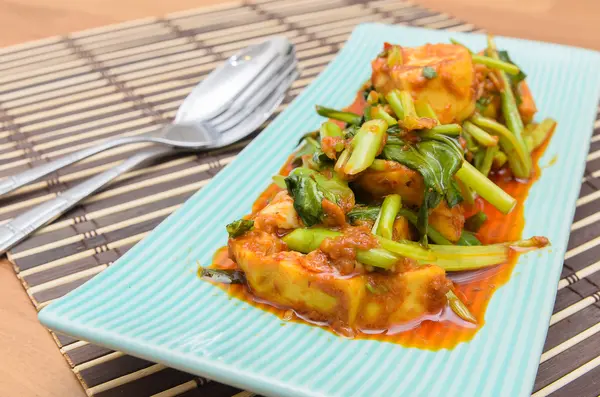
[(445, 330)]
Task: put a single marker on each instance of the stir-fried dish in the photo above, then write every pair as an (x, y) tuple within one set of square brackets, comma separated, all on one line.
[(401, 214)]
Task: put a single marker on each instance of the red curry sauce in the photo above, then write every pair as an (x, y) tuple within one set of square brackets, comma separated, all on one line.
[(445, 330)]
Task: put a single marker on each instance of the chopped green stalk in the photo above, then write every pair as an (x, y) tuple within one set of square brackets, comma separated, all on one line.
[(331, 129), (510, 109), (468, 239), (467, 193), (496, 64), (389, 209), (393, 98), (541, 132), (377, 257), (424, 109), (529, 143), (308, 240), (456, 42), (518, 158), (341, 161), (376, 223), (407, 249), (460, 308), (486, 188), (445, 129), (239, 227), (363, 213), (377, 112), (407, 104), (429, 73), (312, 142), (365, 146), (478, 159), (480, 135), (279, 180), (224, 276), (499, 159), (379, 165), (433, 234), (475, 221), (346, 117), (471, 145), (367, 113), (486, 165), (454, 258), (448, 257)]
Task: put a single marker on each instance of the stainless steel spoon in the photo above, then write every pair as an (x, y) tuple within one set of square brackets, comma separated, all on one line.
[(23, 225), (239, 84)]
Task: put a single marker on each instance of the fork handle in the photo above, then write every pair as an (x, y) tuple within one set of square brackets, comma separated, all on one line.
[(14, 182), (26, 223)]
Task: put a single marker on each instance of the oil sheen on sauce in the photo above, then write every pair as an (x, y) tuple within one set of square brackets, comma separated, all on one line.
[(445, 330)]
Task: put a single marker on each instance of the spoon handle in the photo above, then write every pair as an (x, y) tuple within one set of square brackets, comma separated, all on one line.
[(14, 182), (26, 223)]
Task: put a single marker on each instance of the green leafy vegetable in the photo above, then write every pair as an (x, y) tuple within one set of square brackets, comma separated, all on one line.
[(514, 79), (363, 214), (429, 72), (307, 198), (437, 160), (350, 131), (309, 188), (239, 227), (224, 276), (308, 146)]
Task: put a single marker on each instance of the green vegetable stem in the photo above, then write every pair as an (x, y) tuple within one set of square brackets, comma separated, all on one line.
[(346, 117), (363, 148)]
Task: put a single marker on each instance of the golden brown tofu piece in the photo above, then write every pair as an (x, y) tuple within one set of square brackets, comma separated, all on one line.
[(448, 221), (402, 229), (395, 178), (450, 93), (287, 279), (403, 297)]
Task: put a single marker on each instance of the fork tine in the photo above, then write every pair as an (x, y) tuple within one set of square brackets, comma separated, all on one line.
[(237, 115), (260, 114), (281, 65)]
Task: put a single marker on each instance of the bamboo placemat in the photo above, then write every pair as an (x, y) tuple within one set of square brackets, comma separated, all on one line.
[(62, 94)]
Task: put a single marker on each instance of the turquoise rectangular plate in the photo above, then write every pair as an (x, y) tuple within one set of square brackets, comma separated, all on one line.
[(151, 304)]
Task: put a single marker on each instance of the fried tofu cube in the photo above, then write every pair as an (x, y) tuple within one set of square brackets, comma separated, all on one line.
[(441, 74)]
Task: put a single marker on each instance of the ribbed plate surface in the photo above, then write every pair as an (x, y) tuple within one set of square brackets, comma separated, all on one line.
[(150, 303)]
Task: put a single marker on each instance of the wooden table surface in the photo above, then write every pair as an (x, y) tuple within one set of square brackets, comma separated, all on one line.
[(30, 363)]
